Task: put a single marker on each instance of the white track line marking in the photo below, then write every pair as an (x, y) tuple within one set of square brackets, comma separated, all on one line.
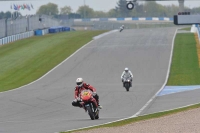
[(169, 66)]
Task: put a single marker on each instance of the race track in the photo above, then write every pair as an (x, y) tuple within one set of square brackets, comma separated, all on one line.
[(45, 105)]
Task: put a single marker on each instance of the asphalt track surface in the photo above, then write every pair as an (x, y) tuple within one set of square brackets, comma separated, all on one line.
[(45, 105)]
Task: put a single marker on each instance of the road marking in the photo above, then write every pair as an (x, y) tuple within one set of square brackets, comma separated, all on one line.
[(169, 66), (175, 89)]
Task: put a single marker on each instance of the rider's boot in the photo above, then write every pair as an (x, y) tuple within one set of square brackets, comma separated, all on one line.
[(96, 97), (99, 106)]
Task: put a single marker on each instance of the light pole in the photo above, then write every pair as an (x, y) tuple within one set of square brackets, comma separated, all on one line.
[(181, 5), (84, 9)]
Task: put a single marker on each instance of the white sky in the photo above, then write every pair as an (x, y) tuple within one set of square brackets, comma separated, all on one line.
[(100, 5)]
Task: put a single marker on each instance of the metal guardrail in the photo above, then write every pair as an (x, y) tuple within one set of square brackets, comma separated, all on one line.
[(16, 37), (125, 19), (28, 34), (20, 28), (198, 30), (115, 23)]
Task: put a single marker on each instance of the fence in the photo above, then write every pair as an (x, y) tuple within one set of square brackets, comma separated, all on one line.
[(16, 37), (9, 27), (23, 27), (115, 23), (125, 19), (197, 30)]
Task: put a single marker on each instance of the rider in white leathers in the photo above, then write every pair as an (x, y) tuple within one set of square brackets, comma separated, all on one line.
[(121, 28), (127, 74)]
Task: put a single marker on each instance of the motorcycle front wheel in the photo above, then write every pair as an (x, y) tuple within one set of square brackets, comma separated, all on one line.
[(90, 112), (127, 86)]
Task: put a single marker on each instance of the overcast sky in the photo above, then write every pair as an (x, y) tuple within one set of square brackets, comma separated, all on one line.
[(100, 5)]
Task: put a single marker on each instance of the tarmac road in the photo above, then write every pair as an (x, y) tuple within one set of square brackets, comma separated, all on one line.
[(45, 105)]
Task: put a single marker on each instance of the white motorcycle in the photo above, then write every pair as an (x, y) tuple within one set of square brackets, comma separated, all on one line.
[(127, 83), (121, 29)]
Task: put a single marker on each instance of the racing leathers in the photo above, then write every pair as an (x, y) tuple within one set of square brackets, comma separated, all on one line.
[(127, 75), (78, 90)]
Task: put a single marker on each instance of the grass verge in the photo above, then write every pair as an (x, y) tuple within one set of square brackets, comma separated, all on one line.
[(26, 60), (187, 28), (185, 67), (184, 71)]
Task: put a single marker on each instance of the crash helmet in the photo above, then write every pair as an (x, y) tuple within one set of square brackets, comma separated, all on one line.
[(126, 69), (79, 82)]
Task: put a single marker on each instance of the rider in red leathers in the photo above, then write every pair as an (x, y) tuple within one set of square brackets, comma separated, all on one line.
[(82, 86)]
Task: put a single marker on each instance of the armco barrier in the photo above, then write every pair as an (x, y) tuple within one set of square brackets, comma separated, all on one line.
[(41, 32), (198, 30), (1, 42), (16, 37), (58, 29), (125, 19), (38, 32)]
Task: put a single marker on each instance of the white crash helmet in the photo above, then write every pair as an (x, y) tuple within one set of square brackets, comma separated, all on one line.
[(79, 82), (126, 69)]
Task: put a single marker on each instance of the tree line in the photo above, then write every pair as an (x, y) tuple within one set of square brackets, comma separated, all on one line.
[(146, 9)]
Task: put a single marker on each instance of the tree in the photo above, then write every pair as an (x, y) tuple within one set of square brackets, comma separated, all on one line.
[(121, 8), (152, 9), (112, 13), (172, 10), (49, 9), (195, 10), (100, 14), (66, 10), (86, 11), (5, 14)]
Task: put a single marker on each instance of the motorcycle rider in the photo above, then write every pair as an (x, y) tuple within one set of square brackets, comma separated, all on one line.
[(121, 28), (126, 74), (80, 87)]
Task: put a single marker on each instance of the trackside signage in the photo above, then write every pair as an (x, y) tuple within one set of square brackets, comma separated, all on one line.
[(186, 19)]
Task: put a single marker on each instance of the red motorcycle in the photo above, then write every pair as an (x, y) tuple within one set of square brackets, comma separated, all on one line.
[(89, 105)]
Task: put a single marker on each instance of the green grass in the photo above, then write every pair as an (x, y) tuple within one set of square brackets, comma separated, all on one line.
[(187, 28), (184, 69), (26, 60)]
